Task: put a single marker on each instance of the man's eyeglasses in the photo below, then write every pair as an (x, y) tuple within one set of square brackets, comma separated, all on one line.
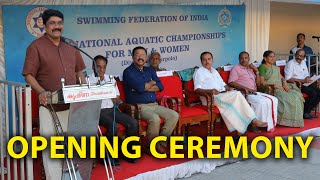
[(301, 56), (140, 55), (52, 23)]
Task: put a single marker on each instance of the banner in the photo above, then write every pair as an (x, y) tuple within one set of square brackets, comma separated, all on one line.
[(179, 33)]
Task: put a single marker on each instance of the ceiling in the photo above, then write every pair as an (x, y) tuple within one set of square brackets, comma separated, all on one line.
[(300, 1), (288, 1)]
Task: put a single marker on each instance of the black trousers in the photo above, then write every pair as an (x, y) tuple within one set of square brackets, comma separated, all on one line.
[(313, 99), (108, 120)]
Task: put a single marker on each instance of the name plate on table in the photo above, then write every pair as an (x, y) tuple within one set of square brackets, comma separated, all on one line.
[(256, 64), (164, 73), (85, 92), (281, 63), (227, 68)]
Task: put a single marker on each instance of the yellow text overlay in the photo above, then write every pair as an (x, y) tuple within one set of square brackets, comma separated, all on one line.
[(192, 147)]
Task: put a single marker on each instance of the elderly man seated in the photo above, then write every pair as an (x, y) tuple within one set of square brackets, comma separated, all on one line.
[(296, 71), (233, 107), (155, 60), (245, 76)]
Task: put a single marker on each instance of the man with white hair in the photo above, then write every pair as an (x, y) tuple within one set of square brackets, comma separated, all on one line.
[(155, 60)]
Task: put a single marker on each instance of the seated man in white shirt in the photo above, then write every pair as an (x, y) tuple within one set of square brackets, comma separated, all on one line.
[(108, 109), (296, 70), (301, 38), (234, 108)]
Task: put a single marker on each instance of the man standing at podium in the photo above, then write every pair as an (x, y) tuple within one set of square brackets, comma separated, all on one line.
[(48, 59)]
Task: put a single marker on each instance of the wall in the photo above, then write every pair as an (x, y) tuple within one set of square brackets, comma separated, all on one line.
[(287, 20)]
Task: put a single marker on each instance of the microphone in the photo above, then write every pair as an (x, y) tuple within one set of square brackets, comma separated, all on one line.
[(71, 43)]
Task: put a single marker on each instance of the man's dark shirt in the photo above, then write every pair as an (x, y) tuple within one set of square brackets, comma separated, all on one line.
[(134, 84)]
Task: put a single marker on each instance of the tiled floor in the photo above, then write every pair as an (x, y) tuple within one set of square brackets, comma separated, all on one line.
[(275, 169)]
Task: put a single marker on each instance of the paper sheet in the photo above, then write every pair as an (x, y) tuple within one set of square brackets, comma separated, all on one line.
[(313, 79)]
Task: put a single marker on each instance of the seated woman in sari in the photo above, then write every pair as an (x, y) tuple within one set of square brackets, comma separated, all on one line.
[(290, 106)]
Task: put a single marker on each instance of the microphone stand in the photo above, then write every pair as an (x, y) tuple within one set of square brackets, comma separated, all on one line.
[(318, 54), (72, 169), (70, 43), (318, 39), (108, 163)]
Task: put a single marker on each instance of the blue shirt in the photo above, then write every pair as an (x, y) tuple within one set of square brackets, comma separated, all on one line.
[(306, 49), (134, 83)]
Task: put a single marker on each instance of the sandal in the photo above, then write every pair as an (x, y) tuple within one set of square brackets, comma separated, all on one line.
[(253, 129)]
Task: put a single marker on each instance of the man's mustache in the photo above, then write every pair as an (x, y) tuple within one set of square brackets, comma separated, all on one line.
[(140, 59), (57, 29)]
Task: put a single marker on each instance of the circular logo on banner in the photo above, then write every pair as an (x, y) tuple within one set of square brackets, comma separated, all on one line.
[(34, 21), (224, 17)]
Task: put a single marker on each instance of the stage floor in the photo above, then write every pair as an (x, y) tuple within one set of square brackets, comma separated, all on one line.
[(149, 167)]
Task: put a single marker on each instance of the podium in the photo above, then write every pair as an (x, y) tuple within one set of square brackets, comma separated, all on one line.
[(84, 113)]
